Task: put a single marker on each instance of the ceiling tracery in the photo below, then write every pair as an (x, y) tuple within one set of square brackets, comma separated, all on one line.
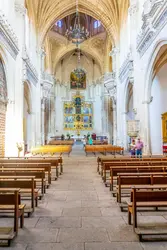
[(110, 12), (45, 13)]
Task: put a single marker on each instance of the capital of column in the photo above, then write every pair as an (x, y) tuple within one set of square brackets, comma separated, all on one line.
[(114, 51), (42, 52), (148, 101)]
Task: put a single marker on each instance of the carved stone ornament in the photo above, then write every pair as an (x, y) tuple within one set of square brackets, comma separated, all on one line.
[(46, 88), (154, 19), (134, 6), (110, 83), (47, 84), (29, 71), (114, 51), (127, 68), (148, 101), (20, 8), (8, 37)]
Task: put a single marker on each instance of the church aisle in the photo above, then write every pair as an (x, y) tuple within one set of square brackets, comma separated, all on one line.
[(78, 213)]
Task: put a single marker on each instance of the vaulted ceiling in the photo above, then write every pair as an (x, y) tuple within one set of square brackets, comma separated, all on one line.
[(44, 14), (111, 13)]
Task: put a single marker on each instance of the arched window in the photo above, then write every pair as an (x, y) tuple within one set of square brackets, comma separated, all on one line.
[(59, 23), (96, 24)]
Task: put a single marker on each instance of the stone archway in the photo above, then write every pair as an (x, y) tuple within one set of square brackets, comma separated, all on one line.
[(3, 102), (158, 100)]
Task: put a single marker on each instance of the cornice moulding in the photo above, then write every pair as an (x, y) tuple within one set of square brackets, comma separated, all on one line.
[(8, 37), (127, 68), (29, 73), (153, 22), (110, 83)]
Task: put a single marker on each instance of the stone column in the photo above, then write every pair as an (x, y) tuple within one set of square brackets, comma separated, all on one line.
[(114, 93), (52, 115), (114, 122), (145, 131), (19, 86)]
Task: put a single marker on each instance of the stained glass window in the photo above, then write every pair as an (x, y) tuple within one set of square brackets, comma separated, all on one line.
[(59, 23), (97, 24)]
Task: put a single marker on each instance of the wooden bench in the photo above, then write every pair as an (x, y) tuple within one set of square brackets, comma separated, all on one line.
[(10, 201), (114, 149), (104, 149), (133, 169), (146, 196), (55, 162), (26, 186), (50, 149), (125, 182), (44, 166), (103, 159), (59, 142), (107, 165), (39, 176)]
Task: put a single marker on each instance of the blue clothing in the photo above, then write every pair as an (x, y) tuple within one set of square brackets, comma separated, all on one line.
[(139, 153), (90, 141)]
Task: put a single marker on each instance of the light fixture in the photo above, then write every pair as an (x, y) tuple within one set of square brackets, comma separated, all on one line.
[(77, 34)]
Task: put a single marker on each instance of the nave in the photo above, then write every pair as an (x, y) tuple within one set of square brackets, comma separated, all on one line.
[(79, 213)]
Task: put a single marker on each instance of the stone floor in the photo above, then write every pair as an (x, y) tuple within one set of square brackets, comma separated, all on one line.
[(79, 213)]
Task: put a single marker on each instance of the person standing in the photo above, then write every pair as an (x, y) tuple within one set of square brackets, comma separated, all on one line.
[(133, 148), (84, 141), (139, 148), (90, 140)]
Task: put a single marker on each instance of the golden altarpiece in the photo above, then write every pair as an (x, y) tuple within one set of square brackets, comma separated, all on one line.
[(78, 114), (164, 127)]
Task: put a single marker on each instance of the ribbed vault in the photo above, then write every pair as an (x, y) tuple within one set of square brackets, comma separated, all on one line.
[(111, 13)]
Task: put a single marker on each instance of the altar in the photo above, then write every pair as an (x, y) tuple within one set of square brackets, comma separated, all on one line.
[(78, 115)]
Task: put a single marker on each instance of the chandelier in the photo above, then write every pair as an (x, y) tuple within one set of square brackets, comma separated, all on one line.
[(77, 34)]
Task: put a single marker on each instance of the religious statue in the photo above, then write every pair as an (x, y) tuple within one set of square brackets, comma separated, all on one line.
[(78, 101)]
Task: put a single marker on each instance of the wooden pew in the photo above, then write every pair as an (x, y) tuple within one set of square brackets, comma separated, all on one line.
[(59, 142), (146, 196), (133, 169), (114, 149), (10, 201), (45, 166), (104, 149), (125, 182), (26, 186), (50, 149), (39, 176), (103, 159), (107, 165), (55, 162)]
